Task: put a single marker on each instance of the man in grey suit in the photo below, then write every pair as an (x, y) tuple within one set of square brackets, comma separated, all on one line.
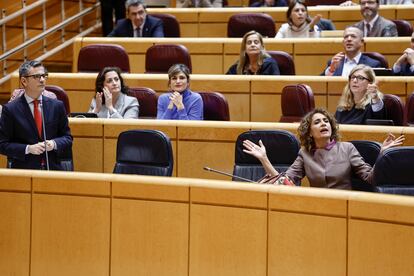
[(343, 62), (373, 24)]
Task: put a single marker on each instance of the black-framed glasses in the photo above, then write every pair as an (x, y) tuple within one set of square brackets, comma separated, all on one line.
[(38, 76), (357, 78)]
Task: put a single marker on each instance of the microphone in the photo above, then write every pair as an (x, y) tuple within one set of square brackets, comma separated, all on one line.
[(44, 132), (228, 174)]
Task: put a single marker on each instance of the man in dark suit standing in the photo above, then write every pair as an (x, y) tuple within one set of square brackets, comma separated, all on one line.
[(343, 62), (138, 23), (22, 122), (373, 24), (404, 66), (107, 14)]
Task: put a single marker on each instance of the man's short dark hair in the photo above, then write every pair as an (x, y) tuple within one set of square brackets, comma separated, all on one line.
[(134, 3), (27, 65)]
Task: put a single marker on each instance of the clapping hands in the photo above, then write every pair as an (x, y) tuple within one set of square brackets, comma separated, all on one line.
[(176, 99)]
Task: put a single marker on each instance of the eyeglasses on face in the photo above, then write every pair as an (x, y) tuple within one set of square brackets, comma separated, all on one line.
[(38, 76), (357, 78)]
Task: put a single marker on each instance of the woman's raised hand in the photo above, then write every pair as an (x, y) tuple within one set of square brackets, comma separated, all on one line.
[(258, 151), (391, 141), (108, 97), (372, 90), (98, 100), (314, 21)]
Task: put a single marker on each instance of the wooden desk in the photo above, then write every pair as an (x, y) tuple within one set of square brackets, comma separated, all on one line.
[(212, 22), (250, 98), (216, 55), (55, 223), (195, 144)]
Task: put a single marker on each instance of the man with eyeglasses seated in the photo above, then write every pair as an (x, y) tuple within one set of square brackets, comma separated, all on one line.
[(373, 24), (343, 62), (26, 120), (138, 23), (404, 66)]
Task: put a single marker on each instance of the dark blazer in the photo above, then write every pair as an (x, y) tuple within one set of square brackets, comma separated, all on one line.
[(269, 67), (326, 25), (278, 3), (405, 71), (363, 60), (359, 116), (382, 27), (153, 27), (18, 129)]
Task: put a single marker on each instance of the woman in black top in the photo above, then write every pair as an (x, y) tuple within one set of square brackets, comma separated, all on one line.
[(361, 99), (253, 58)]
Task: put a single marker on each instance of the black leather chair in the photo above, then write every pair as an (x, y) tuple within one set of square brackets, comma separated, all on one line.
[(282, 149), (145, 152), (215, 106), (394, 173), (284, 61), (66, 160), (297, 101), (369, 150)]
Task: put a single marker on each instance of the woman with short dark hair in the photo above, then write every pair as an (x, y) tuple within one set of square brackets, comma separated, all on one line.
[(180, 103)]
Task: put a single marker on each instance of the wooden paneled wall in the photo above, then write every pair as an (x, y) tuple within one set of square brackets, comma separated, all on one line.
[(99, 224), (216, 55), (250, 98), (212, 22)]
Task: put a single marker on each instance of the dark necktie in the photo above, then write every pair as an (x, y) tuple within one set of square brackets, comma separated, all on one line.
[(137, 32), (37, 117), (368, 27)]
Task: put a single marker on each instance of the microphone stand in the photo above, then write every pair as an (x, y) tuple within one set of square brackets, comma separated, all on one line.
[(44, 132), (228, 174)]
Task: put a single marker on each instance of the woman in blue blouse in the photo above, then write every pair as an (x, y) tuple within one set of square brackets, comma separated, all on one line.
[(180, 103)]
